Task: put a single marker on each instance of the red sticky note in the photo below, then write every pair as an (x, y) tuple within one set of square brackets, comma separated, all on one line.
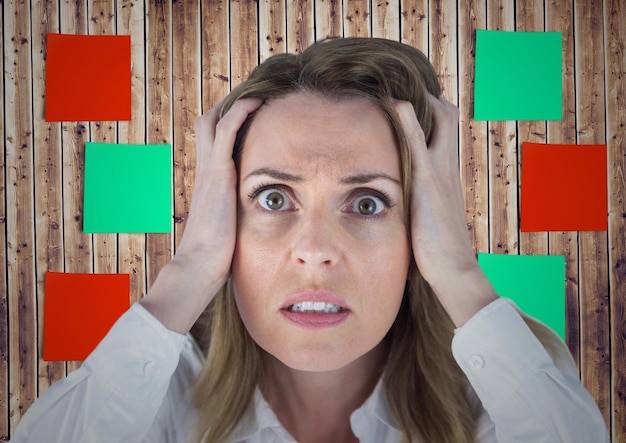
[(79, 310), (88, 77), (564, 188)]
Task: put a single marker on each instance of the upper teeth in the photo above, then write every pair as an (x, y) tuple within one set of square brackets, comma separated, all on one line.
[(315, 306)]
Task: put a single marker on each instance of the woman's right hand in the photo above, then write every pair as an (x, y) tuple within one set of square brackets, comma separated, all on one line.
[(201, 266)]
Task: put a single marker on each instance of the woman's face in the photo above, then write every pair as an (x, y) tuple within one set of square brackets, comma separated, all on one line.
[(322, 251)]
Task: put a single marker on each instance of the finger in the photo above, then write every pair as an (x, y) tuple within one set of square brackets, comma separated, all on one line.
[(415, 137), (444, 145), (227, 127), (204, 128), (444, 135)]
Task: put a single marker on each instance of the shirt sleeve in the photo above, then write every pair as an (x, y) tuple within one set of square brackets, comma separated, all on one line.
[(116, 393), (527, 399)]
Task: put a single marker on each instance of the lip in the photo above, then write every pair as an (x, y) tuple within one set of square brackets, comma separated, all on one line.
[(309, 320), (316, 295)]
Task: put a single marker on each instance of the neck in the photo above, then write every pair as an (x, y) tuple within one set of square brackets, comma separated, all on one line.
[(316, 406)]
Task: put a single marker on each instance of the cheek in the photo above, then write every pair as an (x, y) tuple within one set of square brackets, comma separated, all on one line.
[(253, 258), (254, 265), (390, 271)]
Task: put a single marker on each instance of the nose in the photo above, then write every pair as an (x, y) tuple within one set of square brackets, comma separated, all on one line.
[(316, 241)]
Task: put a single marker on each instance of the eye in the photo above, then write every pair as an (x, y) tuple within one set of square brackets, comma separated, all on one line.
[(274, 199), (368, 205)]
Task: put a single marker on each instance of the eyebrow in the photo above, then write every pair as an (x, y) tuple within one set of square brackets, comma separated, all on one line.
[(275, 174), (357, 179), (362, 179)]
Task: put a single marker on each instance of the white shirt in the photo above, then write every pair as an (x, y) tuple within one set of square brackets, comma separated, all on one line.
[(134, 388)]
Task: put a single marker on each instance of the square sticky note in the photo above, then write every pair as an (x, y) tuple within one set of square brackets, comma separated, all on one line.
[(535, 283), (518, 76), (128, 188), (564, 188), (88, 77), (79, 310)]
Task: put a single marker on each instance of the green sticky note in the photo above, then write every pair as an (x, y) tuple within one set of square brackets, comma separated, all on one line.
[(128, 188), (535, 283), (519, 76)]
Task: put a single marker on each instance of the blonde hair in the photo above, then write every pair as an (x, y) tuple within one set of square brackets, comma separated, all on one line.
[(426, 390)]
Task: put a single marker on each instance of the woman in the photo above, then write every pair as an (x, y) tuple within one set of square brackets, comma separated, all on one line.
[(327, 237)]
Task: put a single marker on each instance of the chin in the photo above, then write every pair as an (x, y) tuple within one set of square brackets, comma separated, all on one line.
[(326, 357), (313, 362)]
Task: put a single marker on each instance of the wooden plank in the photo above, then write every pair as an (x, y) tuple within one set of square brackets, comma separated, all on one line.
[(357, 18), (615, 36), (20, 240), (4, 308), (187, 92), (272, 28), (243, 40), (443, 49), (386, 19), (503, 211), (215, 52), (594, 278), (414, 23), (215, 80), (77, 245), (48, 181), (328, 19), (530, 18), (300, 25), (30, 213), (473, 140), (131, 247), (560, 18), (159, 103), (102, 22)]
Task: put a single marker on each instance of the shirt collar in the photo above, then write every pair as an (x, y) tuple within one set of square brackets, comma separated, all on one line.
[(374, 412)]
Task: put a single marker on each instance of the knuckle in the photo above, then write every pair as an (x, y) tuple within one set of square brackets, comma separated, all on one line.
[(206, 120), (199, 122), (225, 124), (415, 132)]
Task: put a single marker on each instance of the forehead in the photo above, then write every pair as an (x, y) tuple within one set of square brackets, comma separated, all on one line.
[(306, 131)]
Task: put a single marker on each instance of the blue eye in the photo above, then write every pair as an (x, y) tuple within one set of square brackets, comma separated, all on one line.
[(368, 205), (274, 200)]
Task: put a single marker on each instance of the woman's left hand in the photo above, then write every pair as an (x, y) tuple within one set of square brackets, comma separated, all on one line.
[(439, 234)]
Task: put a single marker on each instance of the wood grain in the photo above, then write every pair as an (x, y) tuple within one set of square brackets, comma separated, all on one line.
[(503, 143), (559, 19), (243, 40), (78, 247), (102, 22), (414, 23), (592, 246), (473, 140), (357, 18), (4, 302), (272, 28), (615, 36), (186, 55), (328, 19), (215, 52), (187, 84), (20, 242), (132, 247), (300, 25), (530, 17), (159, 247), (386, 19), (48, 163), (443, 50)]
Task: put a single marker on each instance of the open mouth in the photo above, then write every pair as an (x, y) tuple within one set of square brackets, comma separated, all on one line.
[(314, 307)]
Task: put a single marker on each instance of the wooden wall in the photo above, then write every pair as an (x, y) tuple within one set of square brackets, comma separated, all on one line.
[(185, 57)]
